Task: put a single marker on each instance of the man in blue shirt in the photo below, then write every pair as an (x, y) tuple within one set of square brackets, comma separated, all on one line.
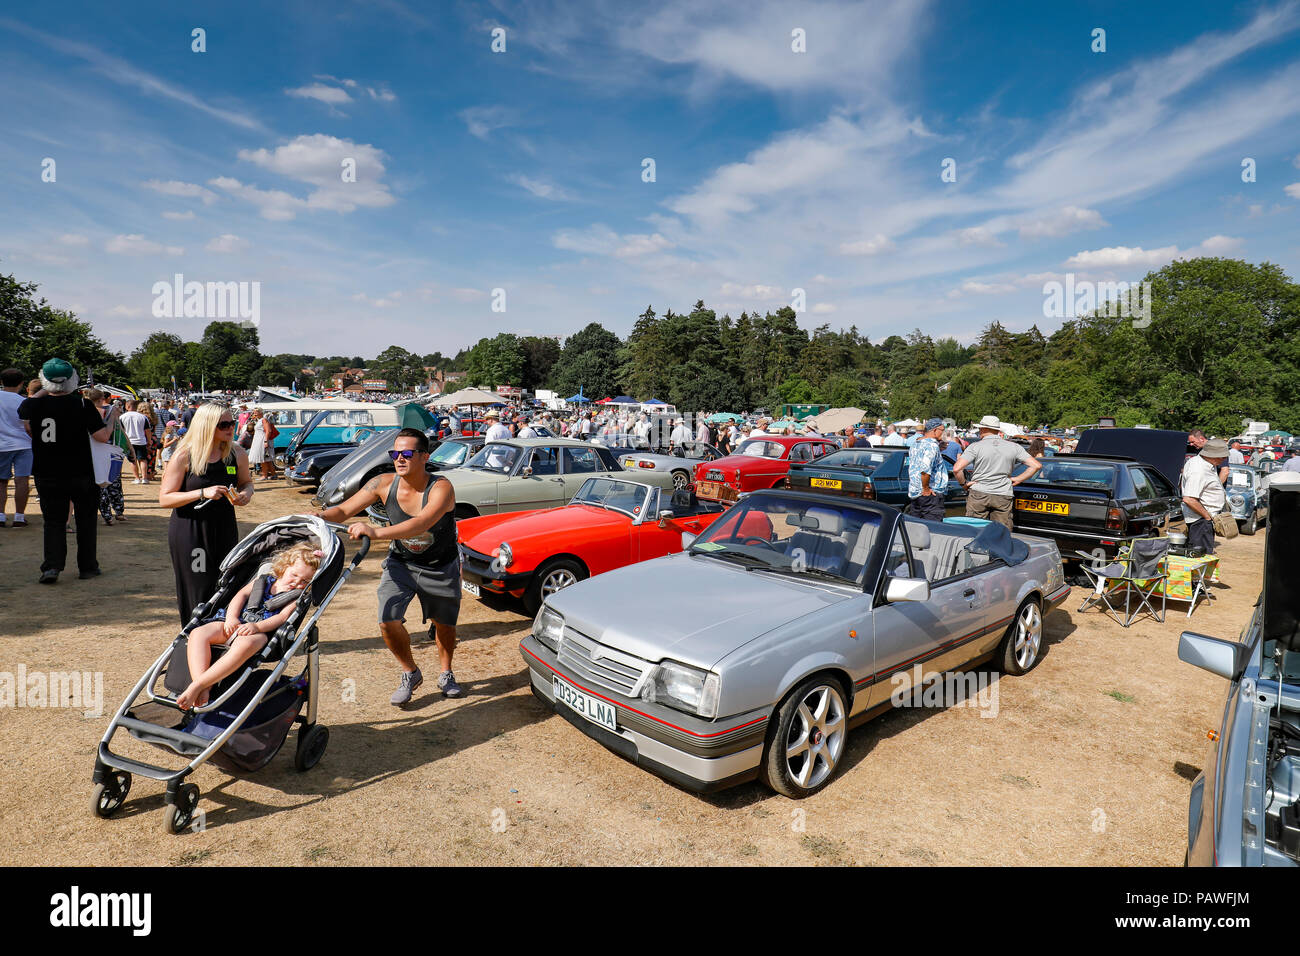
[(927, 473)]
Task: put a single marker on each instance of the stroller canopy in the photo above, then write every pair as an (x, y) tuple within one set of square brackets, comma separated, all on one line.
[(279, 533)]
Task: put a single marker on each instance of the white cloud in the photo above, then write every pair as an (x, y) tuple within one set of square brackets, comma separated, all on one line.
[(868, 247), (126, 311), (316, 160), (978, 236), (384, 95), (72, 239), (329, 95), (227, 243), (1061, 223), (482, 120), (137, 245), (179, 216), (540, 188), (334, 79), (823, 308), (634, 245), (1293, 190), (173, 187), (986, 288), (760, 293), (1120, 257)]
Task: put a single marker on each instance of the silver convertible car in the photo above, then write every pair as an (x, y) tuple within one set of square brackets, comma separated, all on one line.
[(781, 625)]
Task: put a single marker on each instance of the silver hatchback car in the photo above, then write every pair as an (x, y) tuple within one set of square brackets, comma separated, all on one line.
[(792, 617)]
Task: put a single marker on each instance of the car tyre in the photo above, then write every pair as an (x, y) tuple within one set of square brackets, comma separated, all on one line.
[(551, 577), (807, 744), (1251, 526), (1022, 648), (466, 511), (680, 479)]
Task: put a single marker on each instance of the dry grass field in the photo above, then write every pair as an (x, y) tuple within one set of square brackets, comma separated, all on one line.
[(1088, 760)]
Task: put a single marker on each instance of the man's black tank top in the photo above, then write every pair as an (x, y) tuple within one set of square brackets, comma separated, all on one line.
[(433, 547)]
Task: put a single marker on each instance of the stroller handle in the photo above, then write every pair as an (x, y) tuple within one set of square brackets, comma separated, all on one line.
[(362, 549)]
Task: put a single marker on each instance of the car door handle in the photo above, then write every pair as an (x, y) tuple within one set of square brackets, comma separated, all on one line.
[(968, 593)]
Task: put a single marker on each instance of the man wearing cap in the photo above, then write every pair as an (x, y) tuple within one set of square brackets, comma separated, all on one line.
[(927, 473), (1203, 494), (989, 493), (59, 423)]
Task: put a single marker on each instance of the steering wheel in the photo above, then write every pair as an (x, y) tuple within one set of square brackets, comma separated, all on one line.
[(763, 541)]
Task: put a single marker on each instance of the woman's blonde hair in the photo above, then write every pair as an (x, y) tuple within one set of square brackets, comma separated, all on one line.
[(287, 558), (198, 441)]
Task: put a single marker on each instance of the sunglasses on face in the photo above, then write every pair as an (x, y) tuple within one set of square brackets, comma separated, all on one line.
[(225, 424), (407, 453)]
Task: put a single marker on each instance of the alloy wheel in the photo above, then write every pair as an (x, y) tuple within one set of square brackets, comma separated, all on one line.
[(816, 738)]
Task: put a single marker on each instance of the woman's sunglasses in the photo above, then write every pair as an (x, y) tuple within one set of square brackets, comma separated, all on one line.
[(225, 424), (407, 453)]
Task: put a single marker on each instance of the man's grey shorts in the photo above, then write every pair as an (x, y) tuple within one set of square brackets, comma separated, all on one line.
[(15, 464), (437, 587)]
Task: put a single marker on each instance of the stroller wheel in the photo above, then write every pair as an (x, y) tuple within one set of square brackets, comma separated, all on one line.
[(312, 742), (107, 797), (178, 816)]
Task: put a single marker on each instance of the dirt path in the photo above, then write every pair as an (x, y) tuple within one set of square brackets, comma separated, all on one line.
[(1088, 760)]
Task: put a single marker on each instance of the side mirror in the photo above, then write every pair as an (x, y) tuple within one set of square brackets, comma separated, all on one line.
[(528, 471), (664, 518), (907, 589), (1214, 654), (687, 540)]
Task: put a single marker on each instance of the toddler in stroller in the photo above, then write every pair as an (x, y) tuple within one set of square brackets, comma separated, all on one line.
[(245, 625)]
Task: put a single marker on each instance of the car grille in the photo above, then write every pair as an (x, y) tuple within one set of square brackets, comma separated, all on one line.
[(713, 474), (601, 665)]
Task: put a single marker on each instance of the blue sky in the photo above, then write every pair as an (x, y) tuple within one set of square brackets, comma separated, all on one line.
[(522, 170)]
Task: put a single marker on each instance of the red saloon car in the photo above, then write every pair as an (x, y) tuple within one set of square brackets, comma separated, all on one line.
[(608, 524), (762, 462)]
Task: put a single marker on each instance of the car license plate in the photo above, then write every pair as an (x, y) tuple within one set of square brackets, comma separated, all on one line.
[(469, 588), (1047, 507), (593, 708), (827, 483), (629, 463)]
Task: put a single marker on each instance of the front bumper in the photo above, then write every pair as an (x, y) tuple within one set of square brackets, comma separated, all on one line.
[(476, 568), (700, 755)]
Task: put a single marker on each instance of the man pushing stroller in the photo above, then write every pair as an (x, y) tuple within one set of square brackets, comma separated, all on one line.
[(423, 561)]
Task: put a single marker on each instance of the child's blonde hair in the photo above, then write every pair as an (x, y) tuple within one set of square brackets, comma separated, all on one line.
[(285, 559)]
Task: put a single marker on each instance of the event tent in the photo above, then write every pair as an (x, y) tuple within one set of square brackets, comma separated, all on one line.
[(834, 419), (467, 396)]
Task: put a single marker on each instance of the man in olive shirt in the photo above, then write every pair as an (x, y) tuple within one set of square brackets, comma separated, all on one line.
[(59, 422), (989, 492)]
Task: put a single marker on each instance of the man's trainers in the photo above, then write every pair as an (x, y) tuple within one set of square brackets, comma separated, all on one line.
[(93, 573), (447, 684), (49, 577), (410, 682)]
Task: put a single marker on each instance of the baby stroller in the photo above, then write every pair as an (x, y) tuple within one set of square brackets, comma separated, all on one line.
[(250, 713)]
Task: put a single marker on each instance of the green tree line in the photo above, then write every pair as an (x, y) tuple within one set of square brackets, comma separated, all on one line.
[(1221, 347)]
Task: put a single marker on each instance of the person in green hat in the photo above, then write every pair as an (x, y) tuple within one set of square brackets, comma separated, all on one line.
[(59, 419)]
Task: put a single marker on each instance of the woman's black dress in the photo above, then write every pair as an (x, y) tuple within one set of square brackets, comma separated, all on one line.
[(200, 540)]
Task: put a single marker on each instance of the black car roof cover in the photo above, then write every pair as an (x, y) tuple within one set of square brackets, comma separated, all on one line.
[(1164, 450), (1281, 551)]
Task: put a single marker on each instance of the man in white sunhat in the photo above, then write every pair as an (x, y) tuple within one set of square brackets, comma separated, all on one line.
[(992, 459), (1203, 493), (496, 431)]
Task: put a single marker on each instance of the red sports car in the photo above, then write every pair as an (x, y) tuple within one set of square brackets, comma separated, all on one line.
[(762, 462), (608, 524)]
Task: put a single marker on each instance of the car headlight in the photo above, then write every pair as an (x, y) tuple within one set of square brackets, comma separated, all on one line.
[(548, 627), (504, 553), (1237, 501), (683, 688)]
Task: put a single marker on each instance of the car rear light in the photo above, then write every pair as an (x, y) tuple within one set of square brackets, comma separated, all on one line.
[(868, 489), (645, 464), (1115, 518)]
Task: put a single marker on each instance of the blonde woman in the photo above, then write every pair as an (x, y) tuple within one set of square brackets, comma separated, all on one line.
[(207, 464)]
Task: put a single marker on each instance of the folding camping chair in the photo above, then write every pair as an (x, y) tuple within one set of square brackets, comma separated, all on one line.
[(1143, 570)]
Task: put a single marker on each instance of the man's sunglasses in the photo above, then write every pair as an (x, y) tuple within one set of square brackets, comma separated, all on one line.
[(225, 424), (407, 453)]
